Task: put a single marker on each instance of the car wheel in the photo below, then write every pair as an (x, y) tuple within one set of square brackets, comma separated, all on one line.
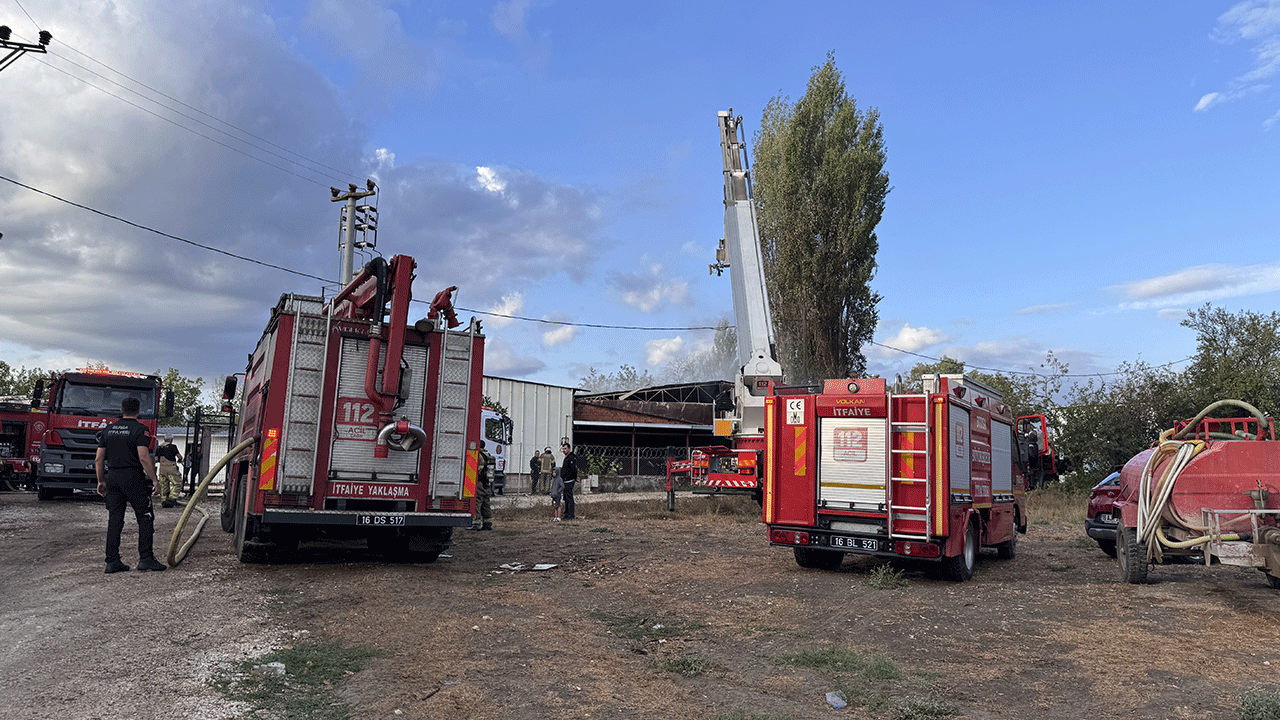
[(1131, 556)]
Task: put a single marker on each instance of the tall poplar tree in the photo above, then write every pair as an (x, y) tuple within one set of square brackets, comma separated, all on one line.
[(820, 186)]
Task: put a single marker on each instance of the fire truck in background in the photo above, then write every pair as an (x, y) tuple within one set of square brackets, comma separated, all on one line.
[(1041, 463), (21, 427), (857, 468), (367, 428), (498, 429), (733, 469), (82, 402)]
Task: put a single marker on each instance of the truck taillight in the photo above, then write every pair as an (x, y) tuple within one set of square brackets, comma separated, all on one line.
[(788, 537), (917, 549)]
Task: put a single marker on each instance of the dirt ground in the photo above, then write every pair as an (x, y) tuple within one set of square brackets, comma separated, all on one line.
[(645, 614)]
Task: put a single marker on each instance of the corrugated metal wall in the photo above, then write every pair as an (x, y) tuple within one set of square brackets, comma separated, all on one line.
[(542, 414)]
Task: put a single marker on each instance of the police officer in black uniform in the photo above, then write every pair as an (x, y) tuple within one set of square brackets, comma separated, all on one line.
[(129, 476)]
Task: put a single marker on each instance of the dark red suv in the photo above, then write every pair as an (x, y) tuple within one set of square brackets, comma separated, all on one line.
[(1101, 518)]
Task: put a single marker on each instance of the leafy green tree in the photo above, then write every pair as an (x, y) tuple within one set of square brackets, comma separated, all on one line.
[(627, 378), (820, 187), (19, 382), (1237, 357), (946, 366), (186, 396)]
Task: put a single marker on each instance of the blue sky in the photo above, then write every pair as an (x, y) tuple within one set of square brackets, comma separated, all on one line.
[(1067, 177)]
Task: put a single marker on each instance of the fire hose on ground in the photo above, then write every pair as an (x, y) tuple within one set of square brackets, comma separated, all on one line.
[(176, 554), (1155, 509)]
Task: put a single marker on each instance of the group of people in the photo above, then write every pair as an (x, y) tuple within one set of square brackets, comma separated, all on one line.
[(558, 482)]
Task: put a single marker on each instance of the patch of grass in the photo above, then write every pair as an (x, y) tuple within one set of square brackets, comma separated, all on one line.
[(1084, 542), (1058, 504), (645, 626), (1260, 705), (601, 530), (306, 690), (741, 714), (843, 660), (926, 708), (688, 665), (886, 577)]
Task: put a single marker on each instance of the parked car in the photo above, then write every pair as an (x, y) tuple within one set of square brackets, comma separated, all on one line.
[(1101, 519)]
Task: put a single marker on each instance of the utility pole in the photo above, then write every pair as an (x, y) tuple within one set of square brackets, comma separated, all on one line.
[(355, 218), (18, 49)]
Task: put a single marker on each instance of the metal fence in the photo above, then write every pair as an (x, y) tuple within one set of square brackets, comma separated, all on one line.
[(640, 461)]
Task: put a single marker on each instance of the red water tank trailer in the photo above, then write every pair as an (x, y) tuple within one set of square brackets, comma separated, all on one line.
[(1208, 491)]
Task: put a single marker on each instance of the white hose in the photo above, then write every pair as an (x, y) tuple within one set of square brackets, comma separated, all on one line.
[(176, 554)]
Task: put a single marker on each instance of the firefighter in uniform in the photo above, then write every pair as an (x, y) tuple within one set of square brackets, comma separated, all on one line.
[(167, 459), (483, 519), (126, 475)]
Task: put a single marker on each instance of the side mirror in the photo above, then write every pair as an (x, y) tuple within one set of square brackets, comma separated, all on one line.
[(168, 403), (228, 393), (37, 394)]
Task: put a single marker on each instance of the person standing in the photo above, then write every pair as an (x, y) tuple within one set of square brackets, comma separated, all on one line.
[(126, 475), (483, 519), (535, 469), (167, 459), (569, 476), (548, 468)]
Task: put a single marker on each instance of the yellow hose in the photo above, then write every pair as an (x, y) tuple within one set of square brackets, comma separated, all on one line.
[(176, 554)]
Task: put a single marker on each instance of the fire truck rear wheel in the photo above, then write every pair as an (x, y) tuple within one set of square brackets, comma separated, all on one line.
[(44, 494), (1008, 549), (960, 567), (818, 559), (1131, 556), (228, 517)]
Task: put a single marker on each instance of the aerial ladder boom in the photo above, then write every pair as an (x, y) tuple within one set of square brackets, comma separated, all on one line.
[(740, 251)]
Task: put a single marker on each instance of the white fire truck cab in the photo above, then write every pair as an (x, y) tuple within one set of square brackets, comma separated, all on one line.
[(856, 468)]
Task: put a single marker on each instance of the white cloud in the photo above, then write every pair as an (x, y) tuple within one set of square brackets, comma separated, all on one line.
[(489, 180), (511, 20), (1172, 314), (661, 350), (1208, 101), (509, 305), (915, 339), (646, 291), (1042, 309), (1201, 284), (500, 359), (559, 336), (1258, 23)]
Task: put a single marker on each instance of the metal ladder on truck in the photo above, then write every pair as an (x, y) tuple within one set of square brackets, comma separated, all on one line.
[(910, 492), (309, 348), (453, 395)]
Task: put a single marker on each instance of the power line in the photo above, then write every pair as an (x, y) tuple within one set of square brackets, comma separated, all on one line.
[(508, 316)]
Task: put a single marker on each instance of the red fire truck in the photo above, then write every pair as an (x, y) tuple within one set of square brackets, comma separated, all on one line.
[(856, 468), (82, 402), (367, 427), (21, 427)]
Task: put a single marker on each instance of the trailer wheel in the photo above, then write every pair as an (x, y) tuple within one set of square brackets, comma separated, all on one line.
[(960, 567), (818, 559), (1131, 556)]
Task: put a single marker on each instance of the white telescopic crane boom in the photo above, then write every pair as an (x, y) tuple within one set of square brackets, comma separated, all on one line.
[(740, 251)]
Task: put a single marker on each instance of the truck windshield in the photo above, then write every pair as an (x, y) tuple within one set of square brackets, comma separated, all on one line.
[(102, 400)]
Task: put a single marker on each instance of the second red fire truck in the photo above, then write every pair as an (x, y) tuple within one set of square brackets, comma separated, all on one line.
[(367, 427), (859, 469)]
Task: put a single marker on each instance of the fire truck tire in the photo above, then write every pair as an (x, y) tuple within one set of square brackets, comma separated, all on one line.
[(960, 567), (228, 517), (1131, 556), (1273, 581), (1008, 549), (45, 494), (818, 559)]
